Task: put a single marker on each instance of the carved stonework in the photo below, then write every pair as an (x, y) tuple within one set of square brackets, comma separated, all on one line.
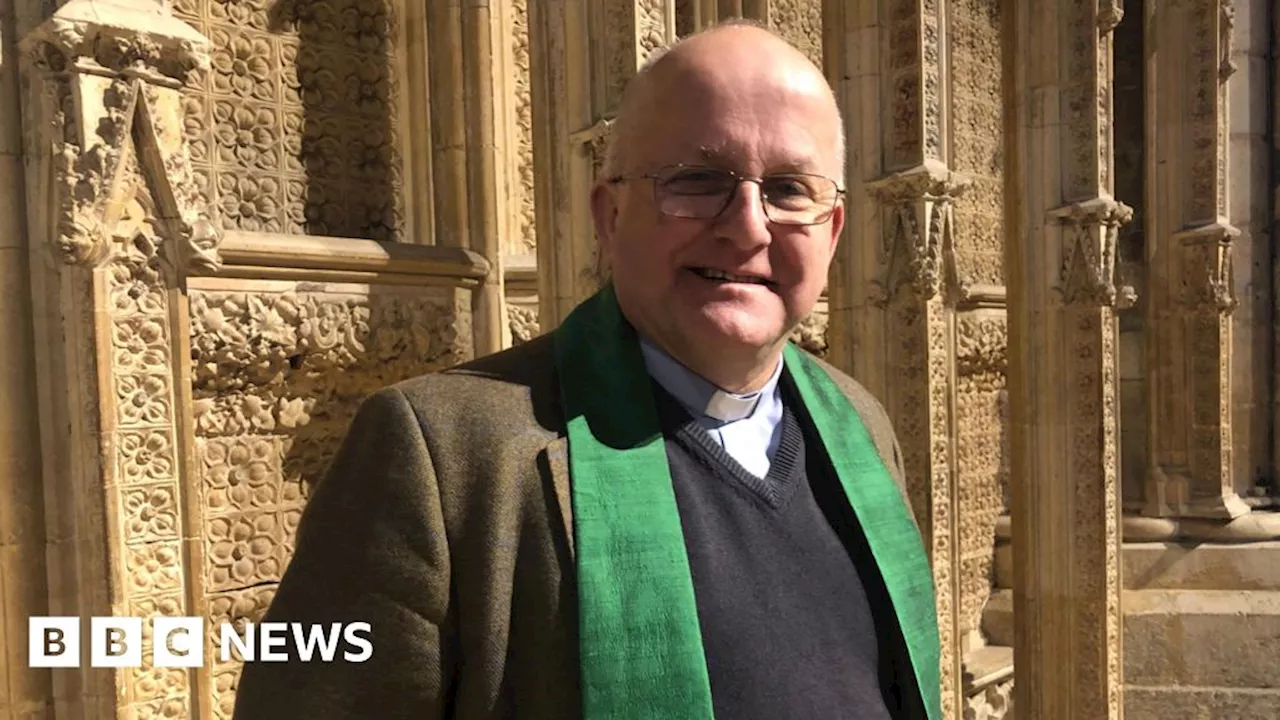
[(280, 371), (916, 249), (1190, 270), (981, 457), (995, 702), (1207, 273), (800, 22), (294, 128), (525, 241), (1064, 442), (122, 214), (1089, 269), (524, 323), (811, 334)]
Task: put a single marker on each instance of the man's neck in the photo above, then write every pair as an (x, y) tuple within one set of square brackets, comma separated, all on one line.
[(737, 375)]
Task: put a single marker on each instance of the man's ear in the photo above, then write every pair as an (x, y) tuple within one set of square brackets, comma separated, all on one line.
[(604, 212), (837, 226)]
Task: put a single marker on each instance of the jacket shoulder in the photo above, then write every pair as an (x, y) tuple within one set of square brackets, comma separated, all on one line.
[(873, 416), (514, 386)]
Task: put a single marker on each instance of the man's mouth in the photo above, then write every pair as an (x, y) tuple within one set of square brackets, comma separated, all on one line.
[(713, 274)]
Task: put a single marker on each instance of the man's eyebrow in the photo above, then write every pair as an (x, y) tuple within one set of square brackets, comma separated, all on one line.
[(717, 155)]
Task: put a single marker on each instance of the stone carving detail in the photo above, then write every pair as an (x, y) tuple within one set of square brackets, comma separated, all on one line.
[(1094, 405), (123, 207), (994, 702), (1208, 274), (525, 240), (1226, 39), (146, 486), (523, 321), (811, 334), (977, 137), (652, 34), (1091, 232), (915, 72), (981, 454), (917, 232), (77, 46), (800, 22), (276, 377), (293, 129)]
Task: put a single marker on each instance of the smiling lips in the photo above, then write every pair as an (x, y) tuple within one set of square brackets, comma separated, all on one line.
[(713, 274)]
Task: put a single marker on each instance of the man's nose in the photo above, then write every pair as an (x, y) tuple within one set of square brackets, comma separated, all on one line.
[(744, 221)]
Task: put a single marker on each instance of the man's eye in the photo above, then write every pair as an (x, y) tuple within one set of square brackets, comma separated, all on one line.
[(698, 181), (787, 187)]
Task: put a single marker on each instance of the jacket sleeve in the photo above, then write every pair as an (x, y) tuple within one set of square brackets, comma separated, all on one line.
[(371, 548)]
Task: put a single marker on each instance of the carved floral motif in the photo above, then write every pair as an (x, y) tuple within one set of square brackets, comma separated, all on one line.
[(276, 377), (294, 127)]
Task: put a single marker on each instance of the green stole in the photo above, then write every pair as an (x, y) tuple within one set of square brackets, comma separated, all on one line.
[(640, 644)]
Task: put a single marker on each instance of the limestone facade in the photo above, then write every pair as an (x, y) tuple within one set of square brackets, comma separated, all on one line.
[(223, 222)]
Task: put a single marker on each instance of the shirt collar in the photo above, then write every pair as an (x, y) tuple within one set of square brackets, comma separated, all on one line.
[(698, 394)]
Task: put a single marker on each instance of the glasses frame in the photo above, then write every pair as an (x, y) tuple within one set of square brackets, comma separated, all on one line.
[(663, 173)]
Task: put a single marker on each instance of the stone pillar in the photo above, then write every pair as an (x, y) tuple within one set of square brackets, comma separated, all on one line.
[(892, 288), (583, 53), (472, 143), (104, 108), (1189, 240), (1060, 263), (23, 569)]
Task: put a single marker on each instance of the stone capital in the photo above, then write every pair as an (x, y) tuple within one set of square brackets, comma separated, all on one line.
[(930, 180), (116, 39), (105, 81)]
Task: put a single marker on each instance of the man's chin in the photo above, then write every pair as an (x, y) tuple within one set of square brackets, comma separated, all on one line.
[(730, 331)]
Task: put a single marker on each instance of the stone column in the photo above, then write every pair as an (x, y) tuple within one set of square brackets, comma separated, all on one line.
[(114, 220), (472, 143), (23, 569), (1189, 239), (1275, 209), (892, 289), (582, 54), (1060, 262)]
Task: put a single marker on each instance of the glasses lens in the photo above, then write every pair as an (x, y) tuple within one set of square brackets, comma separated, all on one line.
[(695, 192), (798, 199)]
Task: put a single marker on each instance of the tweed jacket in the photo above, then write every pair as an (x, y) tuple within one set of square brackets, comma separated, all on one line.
[(445, 522)]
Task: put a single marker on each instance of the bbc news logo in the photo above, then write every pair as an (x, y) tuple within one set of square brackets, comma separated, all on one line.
[(178, 642)]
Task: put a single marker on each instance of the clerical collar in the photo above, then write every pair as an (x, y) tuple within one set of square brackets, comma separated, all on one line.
[(698, 394)]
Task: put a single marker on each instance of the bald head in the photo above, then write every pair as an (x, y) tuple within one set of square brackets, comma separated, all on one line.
[(722, 62)]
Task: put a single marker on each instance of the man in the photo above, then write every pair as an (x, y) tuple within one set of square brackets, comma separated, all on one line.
[(662, 509)]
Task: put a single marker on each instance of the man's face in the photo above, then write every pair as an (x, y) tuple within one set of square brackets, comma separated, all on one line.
[(664, 268)]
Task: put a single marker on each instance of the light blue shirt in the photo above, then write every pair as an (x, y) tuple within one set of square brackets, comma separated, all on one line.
[(753, 424)]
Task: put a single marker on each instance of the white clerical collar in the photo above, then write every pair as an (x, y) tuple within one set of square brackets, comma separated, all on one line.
[(698, 394)]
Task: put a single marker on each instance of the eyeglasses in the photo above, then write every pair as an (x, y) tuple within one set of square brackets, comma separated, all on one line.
[(702, 193)]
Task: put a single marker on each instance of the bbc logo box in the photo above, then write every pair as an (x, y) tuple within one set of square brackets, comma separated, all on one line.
[(179, 642), (54, 642)]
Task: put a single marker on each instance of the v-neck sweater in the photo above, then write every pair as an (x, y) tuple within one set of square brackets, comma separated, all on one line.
[(786, 616)]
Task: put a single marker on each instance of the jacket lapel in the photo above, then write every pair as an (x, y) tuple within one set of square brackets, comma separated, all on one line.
[(558, 462)]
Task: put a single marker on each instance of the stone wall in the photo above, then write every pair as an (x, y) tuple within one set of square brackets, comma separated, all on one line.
[(977, 151), (293, 128)]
